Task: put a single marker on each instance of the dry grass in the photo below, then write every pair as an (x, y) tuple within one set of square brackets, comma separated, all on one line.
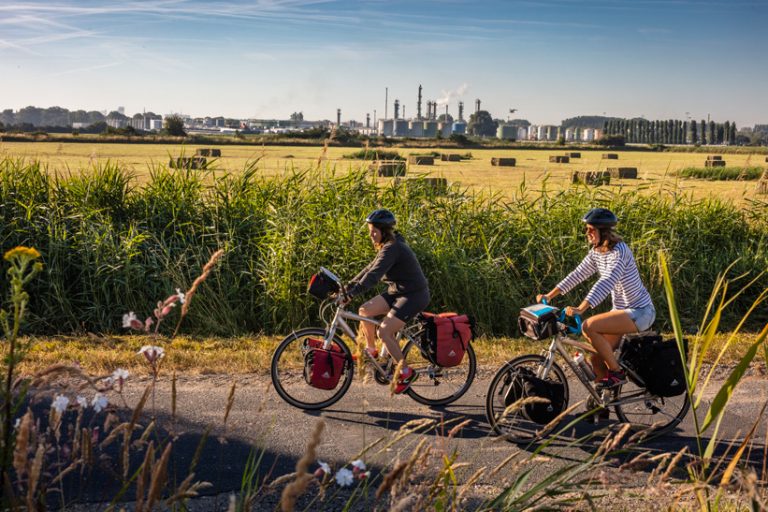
[(242, 355), (656, 170)]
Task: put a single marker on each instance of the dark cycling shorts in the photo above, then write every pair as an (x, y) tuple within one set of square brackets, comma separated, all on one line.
[(405, 306)]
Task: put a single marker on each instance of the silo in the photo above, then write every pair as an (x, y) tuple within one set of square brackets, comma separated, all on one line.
[(506, 132), (400, 128), (416, 128), (430, 129), (460, 127), (385, 127), (522, 133), (444, 129)]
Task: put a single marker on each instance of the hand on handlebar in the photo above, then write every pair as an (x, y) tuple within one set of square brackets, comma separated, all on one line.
[(573, 311), (542, 297)]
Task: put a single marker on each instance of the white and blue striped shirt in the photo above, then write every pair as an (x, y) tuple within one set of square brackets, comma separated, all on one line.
[(618, 276)]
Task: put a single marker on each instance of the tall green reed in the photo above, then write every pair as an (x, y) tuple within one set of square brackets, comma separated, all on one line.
[(112, 245)]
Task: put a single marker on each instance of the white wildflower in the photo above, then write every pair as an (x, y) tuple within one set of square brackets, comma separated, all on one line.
[(119, 375), (128, 318), (82, 402), (99, 402), (359, 464), (60, 403), (152, 353), (344, 477), (182, 296), (324, 466)]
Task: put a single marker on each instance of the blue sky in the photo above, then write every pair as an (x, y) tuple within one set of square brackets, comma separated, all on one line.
[(550, 59)]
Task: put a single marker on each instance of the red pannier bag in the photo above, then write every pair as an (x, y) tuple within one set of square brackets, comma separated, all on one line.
[(447, 337), (323, 368)]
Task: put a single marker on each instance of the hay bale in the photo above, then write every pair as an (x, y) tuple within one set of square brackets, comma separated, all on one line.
[(623, 173), (559, 159), (766, 159), (573, 155), (389, 168), (208, 152), (714, 157), (436, 185), (503, 162), (453, 157), (421, 160), (714, 163), (610, 156), (595, 178), (183, 162)]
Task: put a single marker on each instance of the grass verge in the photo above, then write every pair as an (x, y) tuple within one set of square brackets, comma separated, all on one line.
[(247, 354)]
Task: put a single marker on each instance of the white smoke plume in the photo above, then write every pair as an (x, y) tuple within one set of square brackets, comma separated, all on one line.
[(450, 96)]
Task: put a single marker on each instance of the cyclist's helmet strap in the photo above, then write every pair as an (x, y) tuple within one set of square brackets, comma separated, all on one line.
[(381, 217), (600, 217)]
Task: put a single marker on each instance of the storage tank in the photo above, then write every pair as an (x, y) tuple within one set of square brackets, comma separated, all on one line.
[(430, 129), (506, 132), (460, 127), (416, 128), (400, 128), (444, 129), (385, 127)]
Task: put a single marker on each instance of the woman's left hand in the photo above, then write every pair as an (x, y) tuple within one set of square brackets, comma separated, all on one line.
[(573, 311)]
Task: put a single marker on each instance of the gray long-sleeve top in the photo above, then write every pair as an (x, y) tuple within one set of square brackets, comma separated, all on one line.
[(396, 265)]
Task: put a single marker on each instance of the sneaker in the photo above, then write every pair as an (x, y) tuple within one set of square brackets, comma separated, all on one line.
[(407, 377), (613, 379)]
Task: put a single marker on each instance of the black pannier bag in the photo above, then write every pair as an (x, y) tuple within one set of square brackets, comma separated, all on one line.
[(656, 361), (320, 286), (525, 384), (538, 321)]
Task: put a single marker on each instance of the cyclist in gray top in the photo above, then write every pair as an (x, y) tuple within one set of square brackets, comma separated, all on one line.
[(407, 293)]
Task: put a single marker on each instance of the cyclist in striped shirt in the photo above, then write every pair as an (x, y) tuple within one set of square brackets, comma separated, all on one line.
[(632, 310)]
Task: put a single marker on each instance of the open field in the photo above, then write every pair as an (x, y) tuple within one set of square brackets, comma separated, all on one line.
[(656, 170)]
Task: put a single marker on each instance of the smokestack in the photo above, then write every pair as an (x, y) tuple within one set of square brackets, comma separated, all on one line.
[(418, 105), (338, 117), (367, 120), (446, 112), (397, 109), (477, 105), (403, 107), (461, 111), (386, 101)]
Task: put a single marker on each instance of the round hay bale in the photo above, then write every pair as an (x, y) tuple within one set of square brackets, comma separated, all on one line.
[(203, 152), (453, 157), (623, 173), (559, 159), (421, 160), (503, 162), (714, 157), (215, 152), (610, 156), (573, 154)]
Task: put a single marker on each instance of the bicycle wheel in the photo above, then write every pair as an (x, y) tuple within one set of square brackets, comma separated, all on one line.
[(288, 372), (437, 385), (515, 426), (645, 411)]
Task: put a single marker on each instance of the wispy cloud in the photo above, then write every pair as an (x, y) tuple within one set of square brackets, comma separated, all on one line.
[(82, 70)]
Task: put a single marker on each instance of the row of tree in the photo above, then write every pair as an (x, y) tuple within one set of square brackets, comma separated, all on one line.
[(671, 131)]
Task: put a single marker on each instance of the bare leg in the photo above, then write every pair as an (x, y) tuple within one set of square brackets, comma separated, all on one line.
[(377, 306), (604, 332), (389, 328)]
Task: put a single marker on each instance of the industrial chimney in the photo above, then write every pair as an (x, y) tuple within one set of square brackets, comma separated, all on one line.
[(338, 117), (397, 109), (418, 105), (461, 111), (477, 105), (367, 120)]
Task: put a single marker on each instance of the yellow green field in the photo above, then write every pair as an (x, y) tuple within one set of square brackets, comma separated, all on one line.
[(656, 170)]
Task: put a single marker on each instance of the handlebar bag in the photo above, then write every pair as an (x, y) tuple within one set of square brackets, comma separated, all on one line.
[(447, 337), (539, 321), (320, 286), (323, 368)]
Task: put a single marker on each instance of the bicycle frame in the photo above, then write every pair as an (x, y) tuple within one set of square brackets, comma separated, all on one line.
[(558, 346), (339, 321)]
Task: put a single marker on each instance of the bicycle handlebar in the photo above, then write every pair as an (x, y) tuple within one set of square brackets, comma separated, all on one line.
[(577, 318)]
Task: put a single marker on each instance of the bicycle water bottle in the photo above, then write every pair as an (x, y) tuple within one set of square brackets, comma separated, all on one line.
[(584, 365)]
